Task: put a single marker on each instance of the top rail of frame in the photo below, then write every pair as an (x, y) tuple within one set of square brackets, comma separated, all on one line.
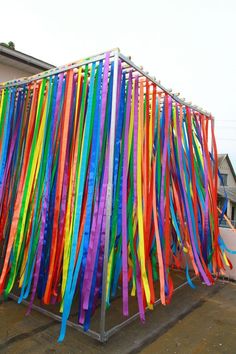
[(150, 78), (58, 70), (94, 58)]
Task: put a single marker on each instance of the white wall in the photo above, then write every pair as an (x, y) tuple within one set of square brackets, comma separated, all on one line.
[(229, 238), (229, 209), (9, 73)]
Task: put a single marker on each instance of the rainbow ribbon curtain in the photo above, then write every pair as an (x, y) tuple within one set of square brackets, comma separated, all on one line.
[(54, 168)]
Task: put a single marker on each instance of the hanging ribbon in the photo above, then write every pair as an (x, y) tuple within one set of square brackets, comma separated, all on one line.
[(54, 167)]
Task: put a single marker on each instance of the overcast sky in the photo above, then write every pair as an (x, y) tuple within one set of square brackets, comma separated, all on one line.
[(190, 45)]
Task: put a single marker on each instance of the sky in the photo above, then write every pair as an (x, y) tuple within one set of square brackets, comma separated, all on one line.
[(189, 45)]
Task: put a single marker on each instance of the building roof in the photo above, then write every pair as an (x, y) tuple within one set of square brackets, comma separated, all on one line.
[(22, 61), (221, 158), (230, 191)]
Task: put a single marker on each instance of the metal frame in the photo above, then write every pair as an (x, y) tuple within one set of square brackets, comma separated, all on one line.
[(102, 335)]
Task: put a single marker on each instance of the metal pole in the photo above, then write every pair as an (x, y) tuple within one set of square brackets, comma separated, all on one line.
[(212, 148), (109, 199)]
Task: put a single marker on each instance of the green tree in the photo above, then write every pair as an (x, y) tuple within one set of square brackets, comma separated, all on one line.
[(10, 45)]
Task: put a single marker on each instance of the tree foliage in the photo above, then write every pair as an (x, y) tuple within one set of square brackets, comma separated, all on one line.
[(10, 45)]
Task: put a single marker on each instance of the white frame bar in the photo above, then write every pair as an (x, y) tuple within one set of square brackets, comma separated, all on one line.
[(150, 78), (55, 71), (101, 336)]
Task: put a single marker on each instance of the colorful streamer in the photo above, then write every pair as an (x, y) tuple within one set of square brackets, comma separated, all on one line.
[(54, 166)]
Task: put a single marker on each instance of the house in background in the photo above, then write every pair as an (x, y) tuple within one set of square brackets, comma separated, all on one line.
[(228, 185), (14, 64)]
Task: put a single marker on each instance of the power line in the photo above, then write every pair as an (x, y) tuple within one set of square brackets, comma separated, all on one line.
[(223, 127), (232, 139)]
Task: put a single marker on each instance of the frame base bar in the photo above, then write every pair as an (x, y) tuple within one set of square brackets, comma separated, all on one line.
[(116, 328), (58, 318), (101, 337)]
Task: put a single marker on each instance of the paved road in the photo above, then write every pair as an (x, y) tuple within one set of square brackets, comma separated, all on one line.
[(209, 328), (197, 321)]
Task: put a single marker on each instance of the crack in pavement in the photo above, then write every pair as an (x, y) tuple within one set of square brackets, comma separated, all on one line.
[(26, 335)]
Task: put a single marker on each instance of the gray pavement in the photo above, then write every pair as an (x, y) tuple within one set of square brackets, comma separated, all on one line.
[(197, 321)]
